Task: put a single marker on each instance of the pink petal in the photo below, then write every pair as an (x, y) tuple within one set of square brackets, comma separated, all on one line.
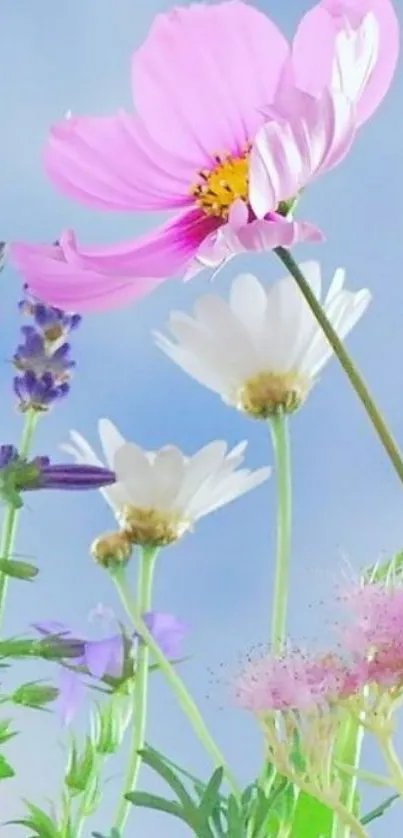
[(255, 236), (112, 163), (203, 75), (163, 252), (314, 47), (60, 283), (309, 136), (79, 279)]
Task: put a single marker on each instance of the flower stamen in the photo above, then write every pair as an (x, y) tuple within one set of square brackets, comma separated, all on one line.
[(222, 185)]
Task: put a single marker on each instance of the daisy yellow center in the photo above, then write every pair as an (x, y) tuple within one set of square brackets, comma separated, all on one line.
[(151, 527), (220, 186), (266, 393)]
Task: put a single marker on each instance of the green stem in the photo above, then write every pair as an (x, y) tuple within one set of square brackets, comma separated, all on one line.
[(281, 446), (349, 367), (12, 515), (393, 763), (144, 590), (185, 700), (348, 751)]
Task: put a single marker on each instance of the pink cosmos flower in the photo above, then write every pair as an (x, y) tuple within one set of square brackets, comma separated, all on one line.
[(294, 682), (232, 122)]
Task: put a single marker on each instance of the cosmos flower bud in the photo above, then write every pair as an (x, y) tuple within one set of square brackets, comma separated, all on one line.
[(112, 549)]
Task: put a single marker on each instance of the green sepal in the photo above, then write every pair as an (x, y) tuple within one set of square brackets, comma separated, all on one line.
[(34, 694), (80, 768), (5, 732), (6, 770), (109, 724), (18, 570), (39, 821)]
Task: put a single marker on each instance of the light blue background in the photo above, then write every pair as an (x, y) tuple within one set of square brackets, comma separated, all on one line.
[(348, 502)]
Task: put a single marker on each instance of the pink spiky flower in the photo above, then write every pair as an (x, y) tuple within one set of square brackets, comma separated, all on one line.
[(376, 631), (232, 123), (294, 681), (300, 698)]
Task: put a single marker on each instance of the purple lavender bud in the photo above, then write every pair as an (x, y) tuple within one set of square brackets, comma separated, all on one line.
[(74, 477), (8, 454)]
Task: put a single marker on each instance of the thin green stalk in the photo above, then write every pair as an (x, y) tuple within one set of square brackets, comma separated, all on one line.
[(12, 515), (393, 763), (140, 694), (185, 700), (281, 445), (348, 751), (349, 367)]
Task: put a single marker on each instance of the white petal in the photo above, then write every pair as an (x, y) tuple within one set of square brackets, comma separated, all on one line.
[(199, 470), (169, 470), (248, 300), (228, 334), (111, 439), (195, 366), (233, 487), (135, 472), (289, 324), (82, 451)]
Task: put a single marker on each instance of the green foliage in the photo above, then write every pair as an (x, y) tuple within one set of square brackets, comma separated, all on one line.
[(34, 694), (40, 823), (209, 812), (114, 833), (6, 770), (109, 723), (18, 570), (81, 768), (311, 818), (380, 810)]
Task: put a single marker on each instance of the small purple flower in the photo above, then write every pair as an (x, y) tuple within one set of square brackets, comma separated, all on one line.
[(42, 360), (106, 658)]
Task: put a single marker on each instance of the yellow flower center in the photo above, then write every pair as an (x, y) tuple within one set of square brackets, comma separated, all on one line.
[(223, 184), (151, 527), (266, 393)]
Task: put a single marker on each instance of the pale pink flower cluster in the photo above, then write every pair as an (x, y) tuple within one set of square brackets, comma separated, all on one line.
[(296, 681), (376, 631), (373, 642)]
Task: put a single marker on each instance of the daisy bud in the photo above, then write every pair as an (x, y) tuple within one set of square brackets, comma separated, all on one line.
[(112, 549)]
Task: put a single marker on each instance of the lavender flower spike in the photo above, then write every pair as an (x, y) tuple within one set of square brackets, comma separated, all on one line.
[(75, 477), (42, 360)]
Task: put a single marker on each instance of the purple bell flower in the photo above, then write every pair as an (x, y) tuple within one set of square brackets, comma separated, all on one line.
[(105, 658)]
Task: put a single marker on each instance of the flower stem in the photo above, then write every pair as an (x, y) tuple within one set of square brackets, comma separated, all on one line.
[(393, 762), (281, 446), (12, 515), (349, 367), (185, 700), (140, 694)]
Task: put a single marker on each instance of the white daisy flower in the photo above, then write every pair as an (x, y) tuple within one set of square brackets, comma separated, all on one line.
[(160, 494), (263, 349)]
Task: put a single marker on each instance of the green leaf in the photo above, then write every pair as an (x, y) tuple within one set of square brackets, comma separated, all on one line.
[(380, 810), (114, 833), (39, 821), (153, 801), (19, 570), (5, 732), (34, 694), (6, 771), (311, 818), (211, 798), (151, 759)]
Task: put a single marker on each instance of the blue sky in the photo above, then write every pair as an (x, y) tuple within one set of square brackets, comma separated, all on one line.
[(348, 503)]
